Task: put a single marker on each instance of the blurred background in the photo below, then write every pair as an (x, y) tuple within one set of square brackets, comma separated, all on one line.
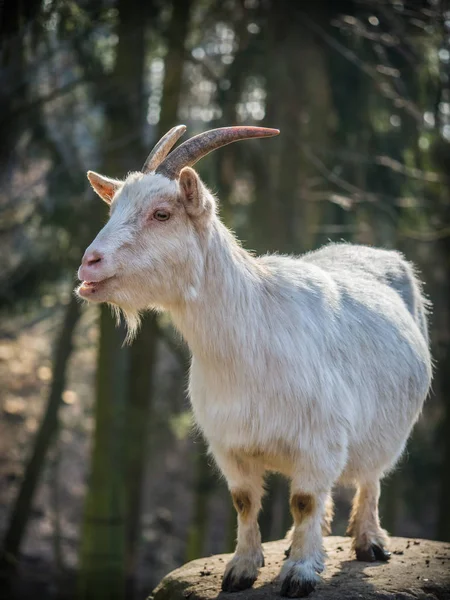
[(104, 487)]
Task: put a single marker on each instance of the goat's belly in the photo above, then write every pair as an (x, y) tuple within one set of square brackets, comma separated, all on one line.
[(260, 440), (275, 459), (270, 430), (236, 423), (279, 429)]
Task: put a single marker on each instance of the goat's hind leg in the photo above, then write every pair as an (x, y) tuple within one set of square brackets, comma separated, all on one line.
[(245, 481), (369, 539)]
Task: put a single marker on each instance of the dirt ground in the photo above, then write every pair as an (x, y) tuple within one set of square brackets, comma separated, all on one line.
[(418, 570)]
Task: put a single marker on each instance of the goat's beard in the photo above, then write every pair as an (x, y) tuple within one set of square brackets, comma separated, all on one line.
[(132, 319)]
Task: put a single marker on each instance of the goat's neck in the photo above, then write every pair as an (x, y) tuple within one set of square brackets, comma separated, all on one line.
[(216, 322)]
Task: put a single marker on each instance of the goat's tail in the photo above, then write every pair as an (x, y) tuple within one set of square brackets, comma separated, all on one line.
[(422, 320), (409, 286)]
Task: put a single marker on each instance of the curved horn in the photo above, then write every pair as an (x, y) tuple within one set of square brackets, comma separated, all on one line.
[(162, 148), (188, 153)]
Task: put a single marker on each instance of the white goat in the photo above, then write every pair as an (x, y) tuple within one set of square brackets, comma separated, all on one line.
[(316, 367)]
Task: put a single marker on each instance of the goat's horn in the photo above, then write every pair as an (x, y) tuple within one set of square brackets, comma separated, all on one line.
[(188, 153), (162, 148)]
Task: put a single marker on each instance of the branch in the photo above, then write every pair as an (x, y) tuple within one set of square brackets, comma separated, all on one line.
[(382, 161), (61, 91), (426, 236), (398, 167), (358, 194), (385, 87)]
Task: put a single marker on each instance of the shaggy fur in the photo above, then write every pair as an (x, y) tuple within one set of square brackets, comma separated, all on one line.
[(316, 367)]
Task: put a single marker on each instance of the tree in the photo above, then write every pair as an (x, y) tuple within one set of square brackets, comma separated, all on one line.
[(144, 348), (44, 438), (103, 547)]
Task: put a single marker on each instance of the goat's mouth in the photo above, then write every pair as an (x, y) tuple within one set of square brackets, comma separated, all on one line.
[(88, 289)]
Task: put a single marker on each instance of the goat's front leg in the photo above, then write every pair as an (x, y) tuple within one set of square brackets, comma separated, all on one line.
[(299, 574), (245, 481), (326, 523)]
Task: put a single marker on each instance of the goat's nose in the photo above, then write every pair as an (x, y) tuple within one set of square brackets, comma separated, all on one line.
[(92, 258)]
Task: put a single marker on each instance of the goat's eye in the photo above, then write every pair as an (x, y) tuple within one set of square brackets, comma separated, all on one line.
[(161, 215)]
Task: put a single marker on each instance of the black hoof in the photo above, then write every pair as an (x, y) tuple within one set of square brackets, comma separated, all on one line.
[(296, 588), (372, 554), (234, 584), (287, 552), (381, 553)]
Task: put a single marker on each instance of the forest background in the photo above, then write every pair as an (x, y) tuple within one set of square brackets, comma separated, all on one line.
[(101, 477)]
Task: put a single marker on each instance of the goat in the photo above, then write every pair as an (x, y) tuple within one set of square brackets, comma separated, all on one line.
[(316, 367)]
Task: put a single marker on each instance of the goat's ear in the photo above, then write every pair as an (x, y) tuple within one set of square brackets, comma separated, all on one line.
[(192, 192), (103, 186)]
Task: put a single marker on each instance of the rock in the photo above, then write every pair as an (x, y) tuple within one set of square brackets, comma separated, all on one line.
[(418, 569)]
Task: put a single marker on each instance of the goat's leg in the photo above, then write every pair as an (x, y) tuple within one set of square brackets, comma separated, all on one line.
[(245, 481), (369, 539), (326, 523), (299, 574), (328, 515)]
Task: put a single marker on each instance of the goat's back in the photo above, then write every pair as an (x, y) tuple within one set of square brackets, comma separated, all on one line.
[(386, 266)]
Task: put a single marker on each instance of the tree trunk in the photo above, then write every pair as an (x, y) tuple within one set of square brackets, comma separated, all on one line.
[(14, 88), (21, 509), (203, 486), (143, 351), (443, 381), (102, 560), (141, 379), (103, 547), (299, 102)]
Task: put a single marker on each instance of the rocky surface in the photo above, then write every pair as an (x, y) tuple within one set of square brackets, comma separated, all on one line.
[(418, 569)]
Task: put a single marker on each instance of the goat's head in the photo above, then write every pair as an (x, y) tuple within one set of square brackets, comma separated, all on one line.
[(150, 252)]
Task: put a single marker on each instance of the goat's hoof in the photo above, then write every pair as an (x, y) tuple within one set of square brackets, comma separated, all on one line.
[(297, 587), (241, 573), (299, 578), (230, 583), (373, 553)]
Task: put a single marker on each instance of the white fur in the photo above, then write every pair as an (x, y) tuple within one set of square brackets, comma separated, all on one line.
[(314, 366)]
